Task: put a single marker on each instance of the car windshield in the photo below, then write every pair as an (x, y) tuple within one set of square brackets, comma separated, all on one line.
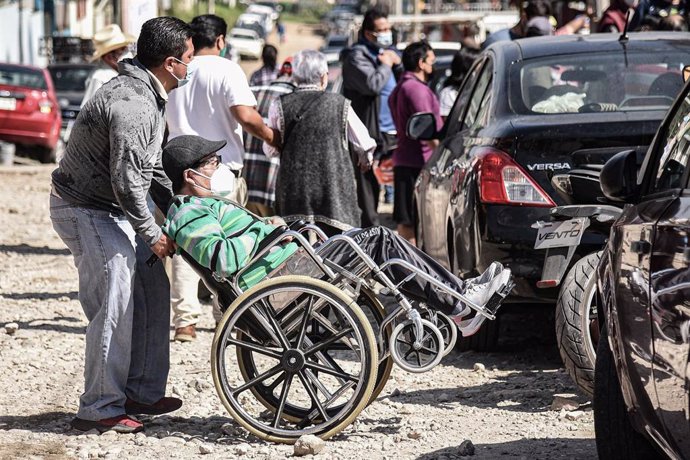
[(604, 82), (70, 78), (21, 76)]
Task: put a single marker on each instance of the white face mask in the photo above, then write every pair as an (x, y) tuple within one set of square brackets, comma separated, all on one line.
[(384, 39), (222, 181)]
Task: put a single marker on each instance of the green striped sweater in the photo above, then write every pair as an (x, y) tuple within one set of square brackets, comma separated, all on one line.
[(223, 237)]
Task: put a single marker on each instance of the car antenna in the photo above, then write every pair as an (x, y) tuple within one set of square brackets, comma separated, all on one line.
[(623, 39)]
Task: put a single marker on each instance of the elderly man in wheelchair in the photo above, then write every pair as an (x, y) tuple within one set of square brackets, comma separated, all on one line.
[(305, 342)]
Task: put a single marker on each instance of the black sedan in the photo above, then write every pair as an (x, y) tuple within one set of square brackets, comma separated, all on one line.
[(529, 108), (642, 376), (70, 85)]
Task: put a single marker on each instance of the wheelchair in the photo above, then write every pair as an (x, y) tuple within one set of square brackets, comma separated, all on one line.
[(305, 350)]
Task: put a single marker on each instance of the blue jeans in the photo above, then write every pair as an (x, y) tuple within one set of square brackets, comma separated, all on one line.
[(127, 305)]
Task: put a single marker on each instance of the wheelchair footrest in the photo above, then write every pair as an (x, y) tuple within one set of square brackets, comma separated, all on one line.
[(496, 300)]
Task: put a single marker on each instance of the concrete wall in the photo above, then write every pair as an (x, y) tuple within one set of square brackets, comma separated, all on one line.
[(31, 25)]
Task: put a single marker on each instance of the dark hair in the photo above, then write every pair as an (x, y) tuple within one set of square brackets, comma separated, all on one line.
[(370, 17), (462, 61), (413, 53), (206, 30), (534, 8), (161, 38), (269, 55)]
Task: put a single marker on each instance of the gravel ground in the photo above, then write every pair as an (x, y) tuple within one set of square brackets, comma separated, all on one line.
[(503, 402)]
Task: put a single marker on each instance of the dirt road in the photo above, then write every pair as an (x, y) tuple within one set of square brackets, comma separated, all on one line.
[(500, 401)]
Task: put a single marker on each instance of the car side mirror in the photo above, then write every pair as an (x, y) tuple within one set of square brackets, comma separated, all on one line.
[(422, 127), (619, 177), (686, 73)]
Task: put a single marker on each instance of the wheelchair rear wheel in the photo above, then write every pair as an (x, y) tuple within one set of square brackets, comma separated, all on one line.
[(305, 351), (375, 313)]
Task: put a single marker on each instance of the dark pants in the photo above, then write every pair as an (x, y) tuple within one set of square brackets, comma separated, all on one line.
[(381, 244), (368, 189)]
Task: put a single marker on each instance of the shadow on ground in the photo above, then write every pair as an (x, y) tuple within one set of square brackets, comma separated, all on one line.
[(33, 250), (550, 448)]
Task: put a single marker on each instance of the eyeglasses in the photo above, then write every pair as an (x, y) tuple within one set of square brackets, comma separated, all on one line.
[(214, 162)]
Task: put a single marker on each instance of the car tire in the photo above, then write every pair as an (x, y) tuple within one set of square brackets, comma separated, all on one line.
[(47, 154), (575, 332), (485, 339), (615, 436)]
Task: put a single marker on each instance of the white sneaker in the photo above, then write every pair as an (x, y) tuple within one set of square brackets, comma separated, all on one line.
[(490, 273), (479, 294)]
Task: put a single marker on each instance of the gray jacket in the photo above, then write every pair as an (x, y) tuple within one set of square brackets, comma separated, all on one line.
[(363, 80), (114, 152)]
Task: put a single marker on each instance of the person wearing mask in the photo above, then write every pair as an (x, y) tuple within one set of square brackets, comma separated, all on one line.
[(218, 104), (462, 61), (111, 46), (316, 181), (410, 96), (98, 207), (369, 69), (269, 71)]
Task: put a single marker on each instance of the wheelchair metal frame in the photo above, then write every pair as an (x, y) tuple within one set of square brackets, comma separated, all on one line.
[(376, 273)]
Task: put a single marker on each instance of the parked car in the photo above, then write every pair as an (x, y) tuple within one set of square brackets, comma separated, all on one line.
[(252, 22), (70, 85), (261, 18), (642, 383), (334, 45), (529, 108), (29, 110), (268, 11), (246, 42)]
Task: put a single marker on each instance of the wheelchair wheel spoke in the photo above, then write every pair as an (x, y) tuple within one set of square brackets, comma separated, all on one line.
[(328, 342), (276, 327), (328, 359), (314, 397), (255, 347), (258, 379), (419, 359), (283, 397), (317, 384), (303, 327), (341, 374)]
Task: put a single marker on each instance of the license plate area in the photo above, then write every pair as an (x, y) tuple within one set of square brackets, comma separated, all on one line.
[(8, 103), (560, 234)]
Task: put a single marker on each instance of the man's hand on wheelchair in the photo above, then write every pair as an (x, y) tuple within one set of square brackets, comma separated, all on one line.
[(279, 222), (164, 247)]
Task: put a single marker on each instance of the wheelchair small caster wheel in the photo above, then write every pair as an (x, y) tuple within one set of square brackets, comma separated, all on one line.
[(419, 357)]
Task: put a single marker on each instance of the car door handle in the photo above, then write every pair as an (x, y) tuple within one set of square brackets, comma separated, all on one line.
[(640, 247)]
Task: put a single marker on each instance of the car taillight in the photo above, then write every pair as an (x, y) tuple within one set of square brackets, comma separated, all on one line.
[(503, 181), (45, 106)]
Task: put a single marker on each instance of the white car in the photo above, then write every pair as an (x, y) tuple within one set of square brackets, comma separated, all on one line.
[(262, 18), (246, 42), (264, 9)]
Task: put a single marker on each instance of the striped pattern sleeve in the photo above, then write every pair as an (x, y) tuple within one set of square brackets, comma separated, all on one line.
[(212, 233)]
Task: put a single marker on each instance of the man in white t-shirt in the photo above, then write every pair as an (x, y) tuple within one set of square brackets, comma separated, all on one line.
[(216, 103)]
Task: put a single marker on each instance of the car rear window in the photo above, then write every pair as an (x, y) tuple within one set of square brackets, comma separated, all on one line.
[(20, 76), (70, 79), (604, 82)]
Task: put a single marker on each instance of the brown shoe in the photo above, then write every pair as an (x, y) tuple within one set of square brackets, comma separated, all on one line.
[(186, 334)]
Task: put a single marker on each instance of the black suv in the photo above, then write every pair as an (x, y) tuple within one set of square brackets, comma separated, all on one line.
[(642, 374)]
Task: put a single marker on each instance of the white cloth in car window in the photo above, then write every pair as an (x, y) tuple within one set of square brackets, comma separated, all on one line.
[(568, 102)]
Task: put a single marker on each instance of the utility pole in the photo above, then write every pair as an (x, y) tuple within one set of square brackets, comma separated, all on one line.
[(211, 6), (20, 10)]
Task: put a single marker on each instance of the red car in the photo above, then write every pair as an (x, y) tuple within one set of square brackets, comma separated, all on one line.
[(29, 111)]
